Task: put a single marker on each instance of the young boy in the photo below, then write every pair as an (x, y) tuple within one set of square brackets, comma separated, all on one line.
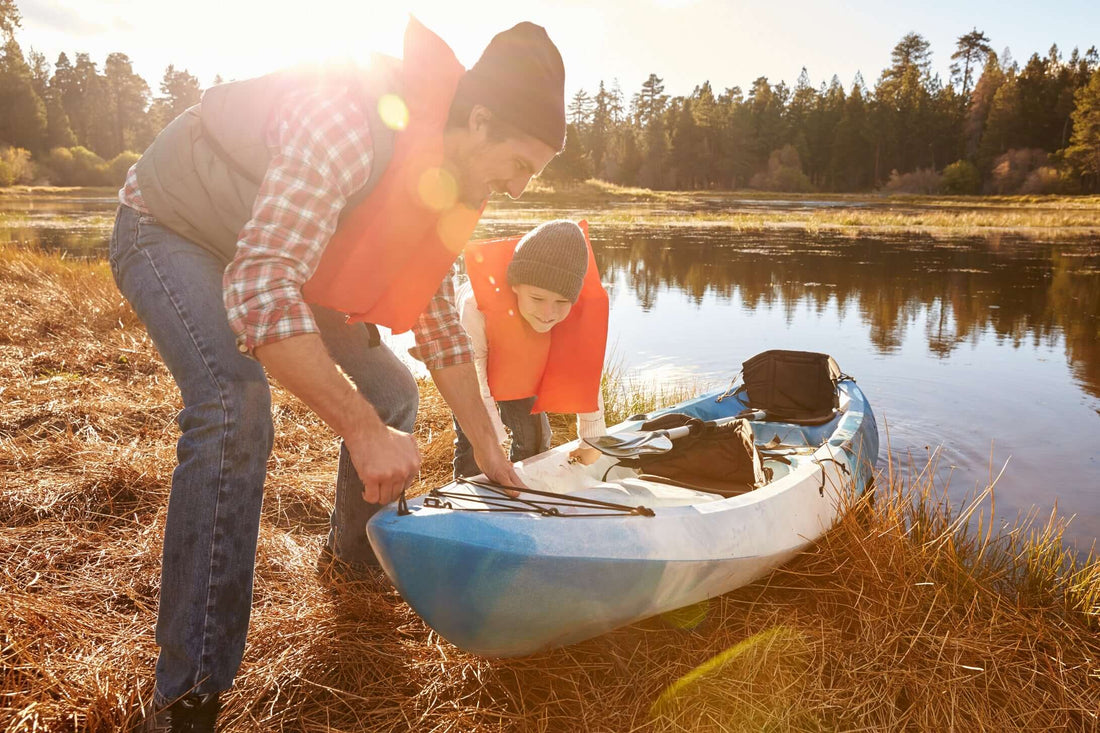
[(536, 314)]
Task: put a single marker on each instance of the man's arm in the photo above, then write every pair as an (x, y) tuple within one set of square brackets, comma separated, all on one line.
[(387, 460), (321, 153), (458, 386)]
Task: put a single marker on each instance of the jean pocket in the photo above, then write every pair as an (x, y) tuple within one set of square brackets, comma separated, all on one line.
[(114, 245), (125, 239), (144, 225)]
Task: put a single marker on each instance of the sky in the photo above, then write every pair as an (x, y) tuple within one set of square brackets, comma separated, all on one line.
[(685, 42)]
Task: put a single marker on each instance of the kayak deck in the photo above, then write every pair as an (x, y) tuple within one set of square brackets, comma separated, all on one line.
[(783, 447)]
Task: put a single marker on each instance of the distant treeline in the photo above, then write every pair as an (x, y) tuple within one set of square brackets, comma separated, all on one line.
[(994, 128)]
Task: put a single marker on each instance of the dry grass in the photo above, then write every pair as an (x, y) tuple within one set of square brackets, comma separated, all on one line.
[(898, 619), (1038, 217)]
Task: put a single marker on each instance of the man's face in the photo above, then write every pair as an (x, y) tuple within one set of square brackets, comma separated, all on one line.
[(484, 165), (541, 308)]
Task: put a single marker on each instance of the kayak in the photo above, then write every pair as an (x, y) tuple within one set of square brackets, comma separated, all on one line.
[(595, 547)]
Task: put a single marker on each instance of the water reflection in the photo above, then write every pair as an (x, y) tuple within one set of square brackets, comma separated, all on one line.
[(963, 290), (77, 223)]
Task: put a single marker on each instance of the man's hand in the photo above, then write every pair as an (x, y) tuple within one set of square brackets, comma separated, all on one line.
[(498, 469), (387, 460)]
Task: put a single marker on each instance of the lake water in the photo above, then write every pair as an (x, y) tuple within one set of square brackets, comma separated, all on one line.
[(986, 351)]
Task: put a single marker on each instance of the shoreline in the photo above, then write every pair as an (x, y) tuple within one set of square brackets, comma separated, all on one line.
[(748, 211)]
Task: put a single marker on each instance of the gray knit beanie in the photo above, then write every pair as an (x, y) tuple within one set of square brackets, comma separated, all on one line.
[(553, 256)]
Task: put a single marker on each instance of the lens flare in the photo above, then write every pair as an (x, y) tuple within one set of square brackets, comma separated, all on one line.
[(455, 227), (438, 189), (394, 113), (745, 688), (687, 617)]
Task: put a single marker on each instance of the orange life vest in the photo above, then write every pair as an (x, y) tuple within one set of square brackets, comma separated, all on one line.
[(390, 253), (562, 367)]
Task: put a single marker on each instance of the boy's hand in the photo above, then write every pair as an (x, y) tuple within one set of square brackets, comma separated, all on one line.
[(584, 454)]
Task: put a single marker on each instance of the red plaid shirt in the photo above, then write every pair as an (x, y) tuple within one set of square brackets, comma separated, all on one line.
[(321, 154)]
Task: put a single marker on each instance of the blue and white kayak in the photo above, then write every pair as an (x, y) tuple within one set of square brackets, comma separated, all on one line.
[(506, 578)]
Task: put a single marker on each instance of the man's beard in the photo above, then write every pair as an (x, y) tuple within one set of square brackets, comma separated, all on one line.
[(470, 193)]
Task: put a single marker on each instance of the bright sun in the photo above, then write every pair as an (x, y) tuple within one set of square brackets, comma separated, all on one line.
[(248, 41)]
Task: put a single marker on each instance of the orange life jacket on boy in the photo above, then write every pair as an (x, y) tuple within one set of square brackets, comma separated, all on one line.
[(390, 253), (561, 367)]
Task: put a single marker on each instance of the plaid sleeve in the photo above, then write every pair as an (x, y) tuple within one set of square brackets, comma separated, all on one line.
[(440, 339), (321, 154)]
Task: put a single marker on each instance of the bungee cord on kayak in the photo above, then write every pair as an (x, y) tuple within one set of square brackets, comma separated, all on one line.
[(501, 501)]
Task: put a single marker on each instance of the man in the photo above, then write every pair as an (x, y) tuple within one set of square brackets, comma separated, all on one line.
[(269, 228)]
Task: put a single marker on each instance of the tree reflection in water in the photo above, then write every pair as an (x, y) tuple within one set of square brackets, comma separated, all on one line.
[(1019, 291)]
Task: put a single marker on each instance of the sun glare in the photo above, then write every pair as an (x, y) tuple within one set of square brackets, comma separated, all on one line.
[(338, 30)]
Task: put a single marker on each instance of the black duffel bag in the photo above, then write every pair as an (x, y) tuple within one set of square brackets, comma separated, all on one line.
[(792, 386), (720, 459)]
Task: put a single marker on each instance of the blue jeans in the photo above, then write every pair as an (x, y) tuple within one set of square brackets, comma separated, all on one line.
[(175, 287), (530, 435)]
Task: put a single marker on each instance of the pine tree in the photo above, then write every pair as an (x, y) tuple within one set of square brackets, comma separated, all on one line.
[(1002, 127), (1084, 150), (83, 99), (797, 112), (708, 117), (902, 100), (686, 147), (572, 165), (179, 91), (128, 96), (59, 130), (22, 113), (580, 110), (824, 121), (981, 100), (600, 133), (615, 103), (765, 112), (852, 164), (971, 51), (649, 103), (40, 72), (9, 20)]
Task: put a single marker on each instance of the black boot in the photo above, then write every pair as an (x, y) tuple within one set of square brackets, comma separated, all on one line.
[(189, 714)]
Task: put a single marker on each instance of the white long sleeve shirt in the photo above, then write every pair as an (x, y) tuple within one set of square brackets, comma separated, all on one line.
[(589, 424)]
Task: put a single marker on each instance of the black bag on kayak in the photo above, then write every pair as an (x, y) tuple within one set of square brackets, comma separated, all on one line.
[(792, 386), (720, 459)]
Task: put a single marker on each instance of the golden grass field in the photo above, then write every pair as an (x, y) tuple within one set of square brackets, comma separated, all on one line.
[(901, 618), (1030, 217)]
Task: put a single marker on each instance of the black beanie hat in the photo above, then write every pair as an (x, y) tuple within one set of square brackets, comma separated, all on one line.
[(521, 78), (553, 256)]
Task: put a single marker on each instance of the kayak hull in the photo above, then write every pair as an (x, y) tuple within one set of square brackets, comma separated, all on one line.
[(505, 584)]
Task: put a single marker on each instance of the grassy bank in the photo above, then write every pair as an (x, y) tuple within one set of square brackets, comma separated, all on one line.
[(898, 619), (854, 214), (1033, 217)]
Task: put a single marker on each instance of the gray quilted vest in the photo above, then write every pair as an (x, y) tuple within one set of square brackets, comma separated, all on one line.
[(201, 175)]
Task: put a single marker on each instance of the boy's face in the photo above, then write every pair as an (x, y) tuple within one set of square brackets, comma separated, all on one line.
[(541, 308)]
